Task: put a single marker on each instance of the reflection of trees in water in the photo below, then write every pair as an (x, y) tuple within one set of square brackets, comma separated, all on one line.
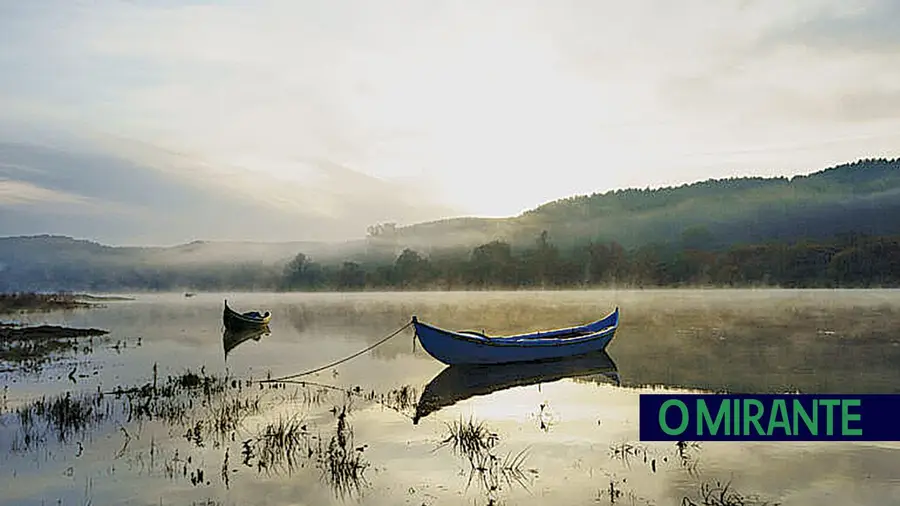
[(748, 342), (765, 347), (299, 317)]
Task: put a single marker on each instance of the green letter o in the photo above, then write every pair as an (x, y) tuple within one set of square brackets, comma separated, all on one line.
[(662, 417)]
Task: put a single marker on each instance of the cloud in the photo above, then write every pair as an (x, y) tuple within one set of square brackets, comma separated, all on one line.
[(139, 194), (21, 193), (823, 61), (486, 108), (854, 27)]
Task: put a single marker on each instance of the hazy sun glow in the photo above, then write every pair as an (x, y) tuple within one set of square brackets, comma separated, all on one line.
[(483, 108)]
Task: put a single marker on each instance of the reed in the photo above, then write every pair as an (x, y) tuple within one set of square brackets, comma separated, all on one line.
[(342, 462), (721, 494), (468, 438)]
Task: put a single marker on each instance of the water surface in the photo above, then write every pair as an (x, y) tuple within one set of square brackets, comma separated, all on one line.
[(566, 436)]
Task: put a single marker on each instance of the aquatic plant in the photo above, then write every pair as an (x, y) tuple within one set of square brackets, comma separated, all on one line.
[(68, 415), (475, 442), (545, 418), (492, 471), (281, 446), (65, 417), (401, 399), (616, 492), (342, 462), (627, 452), (228, 415), (468, 438), (721, 494), (687, 455), (287, 444)]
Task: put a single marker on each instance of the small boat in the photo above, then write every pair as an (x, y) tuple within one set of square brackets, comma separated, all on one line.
[(232, 338), (251, 319), (470, 347), (188, 295), (461, 382)]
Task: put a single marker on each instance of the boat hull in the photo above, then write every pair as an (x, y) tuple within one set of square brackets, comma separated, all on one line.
[(243, 321), (465, 348)]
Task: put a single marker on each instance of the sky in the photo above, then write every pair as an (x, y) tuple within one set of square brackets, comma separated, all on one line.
[(349, 112)]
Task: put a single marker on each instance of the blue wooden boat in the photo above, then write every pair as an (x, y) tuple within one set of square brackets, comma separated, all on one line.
[(470, 347)]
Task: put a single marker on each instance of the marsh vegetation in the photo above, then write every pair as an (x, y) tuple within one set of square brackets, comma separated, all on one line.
[(31, 302)]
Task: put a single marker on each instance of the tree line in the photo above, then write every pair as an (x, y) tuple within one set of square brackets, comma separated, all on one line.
[(848, 261), (844, 261)]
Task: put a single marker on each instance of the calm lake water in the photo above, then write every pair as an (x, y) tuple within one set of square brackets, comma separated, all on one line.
[(564, 435)]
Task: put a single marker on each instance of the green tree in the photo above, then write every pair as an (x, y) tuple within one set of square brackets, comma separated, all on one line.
[(411, 269), (697, 237), (493, 264), (545, 261), (351, 276), (302, 273)]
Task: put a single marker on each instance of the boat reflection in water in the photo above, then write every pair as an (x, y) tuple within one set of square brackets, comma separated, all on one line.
[(232, 338), (457, 383)]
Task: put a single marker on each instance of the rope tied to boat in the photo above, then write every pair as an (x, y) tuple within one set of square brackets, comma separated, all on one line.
[(341, 361)]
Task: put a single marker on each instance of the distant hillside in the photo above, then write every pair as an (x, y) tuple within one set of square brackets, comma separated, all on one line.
[(51, 249), (47, 262), (861, 197)]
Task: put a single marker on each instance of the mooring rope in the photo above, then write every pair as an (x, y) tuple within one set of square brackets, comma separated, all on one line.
[(341, 361)]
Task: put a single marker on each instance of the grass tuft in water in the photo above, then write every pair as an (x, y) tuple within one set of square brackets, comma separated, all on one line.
[(475, 442), (64, 417), (281, 446), (402, 398), (468, 438), (342, 462), (721, 494)]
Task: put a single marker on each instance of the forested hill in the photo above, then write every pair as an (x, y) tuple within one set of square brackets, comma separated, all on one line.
[(861, 197), (836, 227)]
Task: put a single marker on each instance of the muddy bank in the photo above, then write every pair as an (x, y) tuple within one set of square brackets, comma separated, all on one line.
[(101, 298), (27, 302), (29, 347), (44, 332), (19, 302)]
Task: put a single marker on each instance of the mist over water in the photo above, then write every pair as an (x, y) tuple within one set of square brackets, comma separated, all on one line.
[(565, 441)]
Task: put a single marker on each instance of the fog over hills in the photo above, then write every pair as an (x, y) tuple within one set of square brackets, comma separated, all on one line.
[(861, 197)]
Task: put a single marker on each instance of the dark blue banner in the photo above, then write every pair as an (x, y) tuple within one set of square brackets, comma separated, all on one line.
[(717, 417)]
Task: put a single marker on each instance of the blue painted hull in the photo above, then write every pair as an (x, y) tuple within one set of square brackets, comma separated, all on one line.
[(458, 348)]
